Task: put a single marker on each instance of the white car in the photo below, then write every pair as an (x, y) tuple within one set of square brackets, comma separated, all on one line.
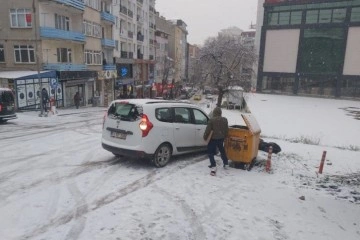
[(154, 129)]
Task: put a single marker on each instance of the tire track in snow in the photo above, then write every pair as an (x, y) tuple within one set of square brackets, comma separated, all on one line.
[(143, 182), (195, 225)]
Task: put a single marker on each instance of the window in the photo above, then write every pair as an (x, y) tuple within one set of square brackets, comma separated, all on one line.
[(355, 14), (273, 18), (2, 53), (325, 16), (296, 17), (339, 15), (312, 16), (91, 29), (284, 18), (322, 51), (93, 4), (182, 115), (24, 54), (62, 22), (200, 117), (64, 55), (97, 57), (93, 57), (20, 18), (163, 114)]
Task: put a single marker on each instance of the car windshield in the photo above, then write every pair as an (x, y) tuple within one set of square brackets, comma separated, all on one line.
[(124, 111)]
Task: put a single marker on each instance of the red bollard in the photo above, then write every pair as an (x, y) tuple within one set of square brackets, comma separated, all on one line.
[(322, 162), (268, 161)]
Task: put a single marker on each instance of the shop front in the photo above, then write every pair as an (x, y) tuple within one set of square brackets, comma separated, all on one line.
[(27, 85), (78, 81), (105, 86)]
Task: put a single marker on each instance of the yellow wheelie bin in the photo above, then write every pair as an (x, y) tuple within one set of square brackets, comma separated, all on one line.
[(242, 142)]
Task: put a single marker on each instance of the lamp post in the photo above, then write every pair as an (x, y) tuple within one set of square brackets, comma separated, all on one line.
[(37, 57)]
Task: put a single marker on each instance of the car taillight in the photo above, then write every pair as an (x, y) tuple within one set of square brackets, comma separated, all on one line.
[(0, 107), (145, 125), (104, 118)]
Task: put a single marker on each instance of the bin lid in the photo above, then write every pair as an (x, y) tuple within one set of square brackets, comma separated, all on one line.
[(251, 123)]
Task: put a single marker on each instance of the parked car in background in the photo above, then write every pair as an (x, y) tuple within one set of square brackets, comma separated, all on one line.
[(153, 129), (197, 97), (7, 105)]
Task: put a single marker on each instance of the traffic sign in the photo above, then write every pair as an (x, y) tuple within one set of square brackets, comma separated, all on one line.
[(53, 82)]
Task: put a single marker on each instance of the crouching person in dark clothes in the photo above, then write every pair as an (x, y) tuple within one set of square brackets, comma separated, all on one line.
[(219, 127)]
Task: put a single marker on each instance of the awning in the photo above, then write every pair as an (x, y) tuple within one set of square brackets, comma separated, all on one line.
[(20, 75)]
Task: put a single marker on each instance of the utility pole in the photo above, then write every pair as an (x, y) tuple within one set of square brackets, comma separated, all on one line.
[(38, 57)]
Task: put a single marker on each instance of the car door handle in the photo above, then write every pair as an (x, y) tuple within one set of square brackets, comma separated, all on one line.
[(177, 128)]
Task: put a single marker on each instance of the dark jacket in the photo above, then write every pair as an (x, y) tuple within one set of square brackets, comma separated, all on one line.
[(218, 124), (45, 95)]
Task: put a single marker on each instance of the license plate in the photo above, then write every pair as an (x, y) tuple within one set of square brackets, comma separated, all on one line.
[(118, 135)]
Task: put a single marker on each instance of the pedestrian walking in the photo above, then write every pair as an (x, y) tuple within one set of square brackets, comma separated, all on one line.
[(77, 99), (45, 99), (216, 129)]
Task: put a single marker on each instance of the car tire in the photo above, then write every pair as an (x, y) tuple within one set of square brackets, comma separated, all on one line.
[(162, 155)]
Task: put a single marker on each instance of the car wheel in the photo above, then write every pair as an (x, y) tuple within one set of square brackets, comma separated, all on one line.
[(162, 155)]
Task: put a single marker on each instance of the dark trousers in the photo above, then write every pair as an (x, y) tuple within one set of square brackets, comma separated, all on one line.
[(45, 106), (211, 148)]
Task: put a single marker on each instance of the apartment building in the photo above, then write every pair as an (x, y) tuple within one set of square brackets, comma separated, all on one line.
[(164, 70), (83, 42), (134, 54), (178, 49), (310, 48)]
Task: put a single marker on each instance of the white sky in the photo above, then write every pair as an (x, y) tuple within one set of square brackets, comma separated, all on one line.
[(205, 18)]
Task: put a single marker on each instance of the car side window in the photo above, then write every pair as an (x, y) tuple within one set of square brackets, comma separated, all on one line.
[(163, 114), (182, 115), (200, 117)]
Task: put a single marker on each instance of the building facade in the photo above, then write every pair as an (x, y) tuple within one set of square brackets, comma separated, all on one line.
[(99, 48), (310, 48), (178, 49)]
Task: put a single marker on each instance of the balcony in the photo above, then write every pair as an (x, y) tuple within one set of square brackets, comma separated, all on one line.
[(140, 37), (131, 55), (130, 34), (109, 67), (78, 4), (108, 17), (124, 54), (123, 10), (47, 32), (151, 25), (108, 43), (139, 19), (130, 13), (64, 67), (140, 56)]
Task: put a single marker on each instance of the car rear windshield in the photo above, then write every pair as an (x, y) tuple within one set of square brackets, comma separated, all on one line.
[(124, 111), (7, 97)]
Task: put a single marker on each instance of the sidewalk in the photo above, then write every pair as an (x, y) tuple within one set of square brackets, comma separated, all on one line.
[(64, 111)]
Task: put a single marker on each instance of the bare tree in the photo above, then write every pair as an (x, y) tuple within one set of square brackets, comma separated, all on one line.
[(223, 60), (167, 72)]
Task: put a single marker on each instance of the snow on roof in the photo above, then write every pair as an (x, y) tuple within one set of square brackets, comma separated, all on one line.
[(19, 74)]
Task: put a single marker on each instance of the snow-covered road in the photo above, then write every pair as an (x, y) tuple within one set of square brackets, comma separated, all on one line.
[(57, 182)]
